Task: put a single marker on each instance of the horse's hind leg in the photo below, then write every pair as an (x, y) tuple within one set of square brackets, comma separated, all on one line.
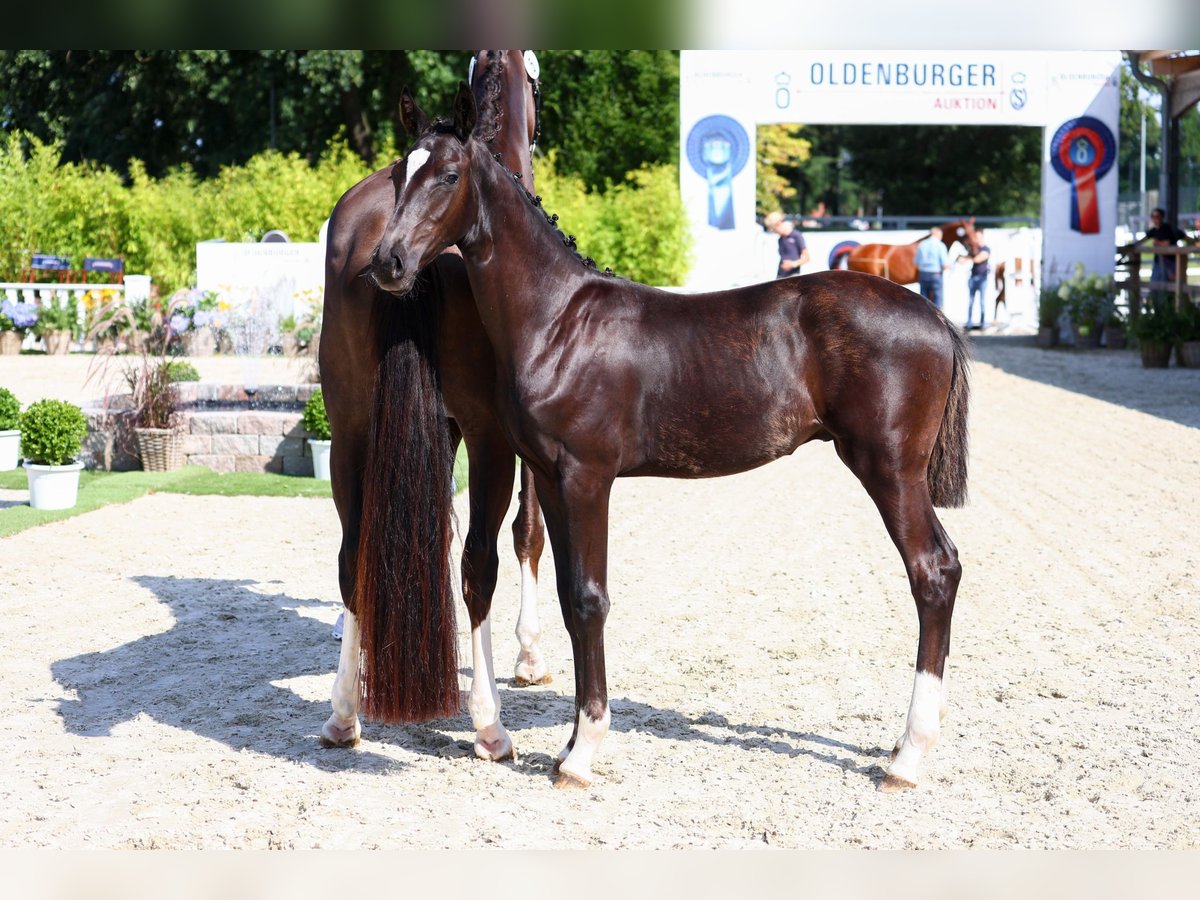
[(902, 497), (529, 540), (342, 728), (490, 489)]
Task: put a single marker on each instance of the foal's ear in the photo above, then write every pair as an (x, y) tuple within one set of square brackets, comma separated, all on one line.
[(412, 117), (464, 112)]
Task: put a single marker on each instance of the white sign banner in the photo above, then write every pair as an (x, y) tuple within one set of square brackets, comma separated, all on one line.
[(902, 88), (726, 95)]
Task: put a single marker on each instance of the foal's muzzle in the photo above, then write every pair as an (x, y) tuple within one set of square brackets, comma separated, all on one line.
[(388, 272)]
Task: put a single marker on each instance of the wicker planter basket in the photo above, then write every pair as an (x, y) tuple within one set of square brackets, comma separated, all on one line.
[(1156, 354), (161, 449), (1188, 354)]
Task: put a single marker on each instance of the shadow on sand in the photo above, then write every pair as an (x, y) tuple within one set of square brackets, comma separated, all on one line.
[(199, 676), (1114, 376)]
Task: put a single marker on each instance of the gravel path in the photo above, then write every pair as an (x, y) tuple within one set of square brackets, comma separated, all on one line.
[(167, 663)]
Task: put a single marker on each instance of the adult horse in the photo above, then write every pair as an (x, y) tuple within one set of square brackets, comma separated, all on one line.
[(391, 373), (895, 262), (601, 377)]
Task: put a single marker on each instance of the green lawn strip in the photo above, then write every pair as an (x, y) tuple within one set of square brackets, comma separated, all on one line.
[(97, 489), (248, 484)]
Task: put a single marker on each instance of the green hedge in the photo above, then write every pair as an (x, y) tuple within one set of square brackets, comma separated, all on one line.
[(637, 227)]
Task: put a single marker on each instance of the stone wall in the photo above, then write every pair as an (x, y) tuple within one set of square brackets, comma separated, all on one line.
[(269, 438)]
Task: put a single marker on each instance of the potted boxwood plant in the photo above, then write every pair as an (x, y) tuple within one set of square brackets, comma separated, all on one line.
[(1114, 329), (52, 433), (1156, 329), (10, 430), (1050, 307), (1188, 348), (1086, 297), (316, 423)]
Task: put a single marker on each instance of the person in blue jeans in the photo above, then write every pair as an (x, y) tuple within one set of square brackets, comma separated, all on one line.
[(931, 261), (978, 257)]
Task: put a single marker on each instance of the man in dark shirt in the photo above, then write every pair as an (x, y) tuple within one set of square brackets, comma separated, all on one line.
[(1164, 234), (793, 252), (978, 257)]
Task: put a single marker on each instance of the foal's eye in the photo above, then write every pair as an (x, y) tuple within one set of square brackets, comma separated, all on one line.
[(450, 178)]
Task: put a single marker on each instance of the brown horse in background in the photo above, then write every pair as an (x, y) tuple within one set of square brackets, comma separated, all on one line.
[(895, 262), (391, 374), (601, 378)]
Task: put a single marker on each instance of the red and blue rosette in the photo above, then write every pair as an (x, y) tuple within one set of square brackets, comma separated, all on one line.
[(1082, 151)]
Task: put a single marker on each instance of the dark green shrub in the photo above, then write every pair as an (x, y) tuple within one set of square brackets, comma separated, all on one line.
[(10, 411), (315, 421), (182, 370), (1158, 322), (52, 432), (638, 228)]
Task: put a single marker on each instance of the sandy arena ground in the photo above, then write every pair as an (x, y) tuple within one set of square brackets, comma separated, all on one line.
[(167, 663)]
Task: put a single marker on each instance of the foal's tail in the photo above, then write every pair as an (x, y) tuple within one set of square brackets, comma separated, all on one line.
[(403, 589), (947, 474)]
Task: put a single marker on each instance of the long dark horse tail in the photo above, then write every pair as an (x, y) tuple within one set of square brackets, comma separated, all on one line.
[(403, 587), (947, 473)]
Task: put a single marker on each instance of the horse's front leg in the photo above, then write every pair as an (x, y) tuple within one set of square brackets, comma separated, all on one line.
[(490, 489), (529, 539), (578, 520)]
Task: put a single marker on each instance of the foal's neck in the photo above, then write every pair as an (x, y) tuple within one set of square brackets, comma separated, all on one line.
[(523, 268)]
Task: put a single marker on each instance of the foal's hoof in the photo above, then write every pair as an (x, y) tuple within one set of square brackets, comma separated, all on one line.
[(520, 680), (531, 670), (335, 735), (495, 751), (566, 780), (893, 784)]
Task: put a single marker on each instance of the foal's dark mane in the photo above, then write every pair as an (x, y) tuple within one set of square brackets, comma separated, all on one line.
[(568, 240)]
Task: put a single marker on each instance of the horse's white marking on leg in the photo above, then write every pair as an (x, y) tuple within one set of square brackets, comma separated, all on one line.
[(491, 739), (343, 726), (588, 735), (944, 709), (416, 159), (531, 665), (923, 728)]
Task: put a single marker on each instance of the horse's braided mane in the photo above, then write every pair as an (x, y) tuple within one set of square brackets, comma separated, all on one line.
[(490, 109), (568, 240)]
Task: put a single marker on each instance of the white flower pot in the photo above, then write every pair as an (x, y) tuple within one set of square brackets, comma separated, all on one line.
[(320, 452), (10, 446), (53, 487)]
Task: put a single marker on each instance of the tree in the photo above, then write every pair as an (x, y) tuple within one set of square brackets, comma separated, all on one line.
[(779, 148), (608, 112), (209, 108)]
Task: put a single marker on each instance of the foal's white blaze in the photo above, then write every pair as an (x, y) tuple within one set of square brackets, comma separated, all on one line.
[(588, 736), (416, 159), (491, 739), (531, 666), (344, 724), (924, 726)]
